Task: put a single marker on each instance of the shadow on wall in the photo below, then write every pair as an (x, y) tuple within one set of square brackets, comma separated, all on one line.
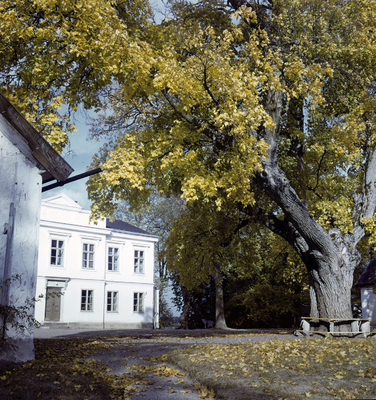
[(148, 318), (145, 321)]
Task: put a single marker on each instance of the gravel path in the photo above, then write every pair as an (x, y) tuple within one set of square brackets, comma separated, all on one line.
[(139, 352)]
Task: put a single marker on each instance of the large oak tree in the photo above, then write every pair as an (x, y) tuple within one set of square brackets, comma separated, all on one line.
[(273, 112)]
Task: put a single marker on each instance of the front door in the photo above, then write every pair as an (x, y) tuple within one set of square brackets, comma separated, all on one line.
[(53, 304)]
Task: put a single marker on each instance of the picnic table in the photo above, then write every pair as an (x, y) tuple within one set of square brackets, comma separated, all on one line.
[(359, 326)]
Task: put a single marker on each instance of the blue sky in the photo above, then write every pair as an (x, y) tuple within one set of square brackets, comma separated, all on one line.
[(84, 148), (79, 159)]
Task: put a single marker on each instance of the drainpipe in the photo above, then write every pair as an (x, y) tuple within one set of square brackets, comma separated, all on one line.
[(156, 308), (72, 179), (104, 304), (7, 273)]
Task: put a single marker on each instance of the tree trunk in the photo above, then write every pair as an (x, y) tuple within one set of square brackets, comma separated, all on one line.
[(220, 321), (184, 323), (330, 257), (331, 280)]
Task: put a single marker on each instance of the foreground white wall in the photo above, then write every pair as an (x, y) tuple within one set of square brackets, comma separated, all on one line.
[(20, 189)]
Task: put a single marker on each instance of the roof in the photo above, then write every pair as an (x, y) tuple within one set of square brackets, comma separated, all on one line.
[(124, 226), (55, 166), (368, 277)]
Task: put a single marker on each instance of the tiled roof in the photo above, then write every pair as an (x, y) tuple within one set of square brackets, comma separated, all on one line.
[(368, 277), (124, 226)]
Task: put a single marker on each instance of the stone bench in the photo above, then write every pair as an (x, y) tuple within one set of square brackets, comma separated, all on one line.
[(207, 323), (359, 326)]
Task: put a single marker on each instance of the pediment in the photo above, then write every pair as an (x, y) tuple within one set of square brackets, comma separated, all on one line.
[(61, 200)]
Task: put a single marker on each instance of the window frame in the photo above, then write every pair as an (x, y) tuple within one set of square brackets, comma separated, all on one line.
[(138, 302), (88, 305), (114, 301), (114, 258), (136, 264), (88, 253), (57, 256)]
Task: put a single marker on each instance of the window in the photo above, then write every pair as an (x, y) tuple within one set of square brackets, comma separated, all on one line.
[(113, 258), (86, 300), (138, 302), (112, 301), (139, 261), (57, 252), (88, 256)]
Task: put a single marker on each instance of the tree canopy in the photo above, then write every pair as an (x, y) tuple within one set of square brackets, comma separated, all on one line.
[(200, 97), (56, 53)]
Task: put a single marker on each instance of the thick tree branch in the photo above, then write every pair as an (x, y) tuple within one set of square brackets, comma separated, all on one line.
[(365, 202), (274, 182), (174, 103), (273, 106), (318, 174), (280, 227)]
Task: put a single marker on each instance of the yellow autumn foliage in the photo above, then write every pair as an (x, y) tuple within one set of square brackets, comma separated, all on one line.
[(197, 95), (56, 54), (187, 103)]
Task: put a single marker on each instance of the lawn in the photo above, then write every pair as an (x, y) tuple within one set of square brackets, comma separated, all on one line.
[(331, 368)]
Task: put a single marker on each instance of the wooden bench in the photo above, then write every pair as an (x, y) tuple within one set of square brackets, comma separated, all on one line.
[(359, 326)]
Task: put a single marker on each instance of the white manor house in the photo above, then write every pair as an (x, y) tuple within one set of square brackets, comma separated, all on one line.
[(93, 275)]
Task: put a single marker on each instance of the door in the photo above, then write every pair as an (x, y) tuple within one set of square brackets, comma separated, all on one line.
[(53, 304)]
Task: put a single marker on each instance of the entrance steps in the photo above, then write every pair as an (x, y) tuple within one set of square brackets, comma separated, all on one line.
[(59, 325)]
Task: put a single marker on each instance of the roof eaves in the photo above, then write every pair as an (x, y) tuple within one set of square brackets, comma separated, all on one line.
[(133, 233), (368, 277), (43, 152)]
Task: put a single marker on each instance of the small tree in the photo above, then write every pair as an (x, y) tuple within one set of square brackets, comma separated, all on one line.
[(155, 217)]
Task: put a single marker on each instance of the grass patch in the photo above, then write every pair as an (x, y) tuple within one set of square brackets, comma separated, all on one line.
[(293, 369)]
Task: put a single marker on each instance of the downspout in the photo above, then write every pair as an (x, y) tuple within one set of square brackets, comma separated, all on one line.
[(105, 281), (7, 272), (104, 302), (156, 308)]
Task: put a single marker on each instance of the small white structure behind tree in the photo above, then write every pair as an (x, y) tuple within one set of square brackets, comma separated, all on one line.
[(367, 284), (26, 161), (96, 275)]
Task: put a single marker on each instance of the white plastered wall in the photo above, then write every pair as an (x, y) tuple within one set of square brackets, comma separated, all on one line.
[(369, 304), (20, 185)]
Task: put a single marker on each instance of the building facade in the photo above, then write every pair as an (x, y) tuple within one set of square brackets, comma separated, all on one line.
[(93, 275)]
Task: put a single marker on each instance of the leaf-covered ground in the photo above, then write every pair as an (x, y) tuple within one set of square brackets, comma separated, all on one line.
[(329, 368), (97, 368), (62, 369), (228, 366)]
